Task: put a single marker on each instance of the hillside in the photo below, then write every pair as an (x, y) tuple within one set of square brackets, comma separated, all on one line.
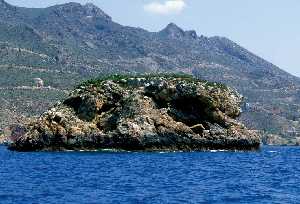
[(65, 44)]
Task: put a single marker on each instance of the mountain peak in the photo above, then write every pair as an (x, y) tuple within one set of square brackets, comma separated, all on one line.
[(173, 31), (93, 10), (173, 27), (91, 5), (4, 4), (88, 10)]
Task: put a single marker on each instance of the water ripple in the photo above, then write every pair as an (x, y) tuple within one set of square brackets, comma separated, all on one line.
[(268, 176)]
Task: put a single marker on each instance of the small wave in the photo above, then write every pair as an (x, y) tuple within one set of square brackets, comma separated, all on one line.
[(272, 151), (84, 150), (114, 150), (221, 150)]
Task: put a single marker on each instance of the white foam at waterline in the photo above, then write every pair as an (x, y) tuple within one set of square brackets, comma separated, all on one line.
[(221, 150)]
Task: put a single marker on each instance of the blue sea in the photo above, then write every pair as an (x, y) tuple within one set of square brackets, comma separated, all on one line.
[(271, 175)]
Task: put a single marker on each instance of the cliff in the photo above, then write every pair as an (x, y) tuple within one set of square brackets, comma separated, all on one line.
[(147, 113)]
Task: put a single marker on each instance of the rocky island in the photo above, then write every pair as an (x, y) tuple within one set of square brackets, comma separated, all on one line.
[(141, 113)]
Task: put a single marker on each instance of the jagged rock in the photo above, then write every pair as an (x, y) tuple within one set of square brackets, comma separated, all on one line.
[(172, 31), (142, 113), (3, 138), (11, 133)]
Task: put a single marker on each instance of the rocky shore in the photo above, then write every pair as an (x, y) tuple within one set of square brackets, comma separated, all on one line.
[(141, 113)]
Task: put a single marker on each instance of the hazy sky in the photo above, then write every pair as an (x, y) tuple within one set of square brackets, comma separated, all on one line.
[(269, 28)]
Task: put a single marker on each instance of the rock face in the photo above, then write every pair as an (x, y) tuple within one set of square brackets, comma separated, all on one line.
[(142, 113)]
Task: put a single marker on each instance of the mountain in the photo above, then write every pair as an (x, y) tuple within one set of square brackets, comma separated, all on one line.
[(65, 44)]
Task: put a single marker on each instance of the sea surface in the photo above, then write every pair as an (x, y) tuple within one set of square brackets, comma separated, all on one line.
[(271, 175)]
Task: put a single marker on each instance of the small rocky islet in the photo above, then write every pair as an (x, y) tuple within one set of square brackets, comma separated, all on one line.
[(141, 113)]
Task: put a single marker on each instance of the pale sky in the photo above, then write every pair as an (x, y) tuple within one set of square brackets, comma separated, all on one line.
[(269, 28)]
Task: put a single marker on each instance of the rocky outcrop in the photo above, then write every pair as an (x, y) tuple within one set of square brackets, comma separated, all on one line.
[(3, 139), (13, 132), (146, 113)]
